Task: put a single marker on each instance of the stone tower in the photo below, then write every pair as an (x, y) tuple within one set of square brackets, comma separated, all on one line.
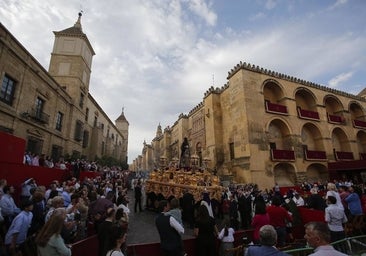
[(71, 61), (122, 126), (159, 131)]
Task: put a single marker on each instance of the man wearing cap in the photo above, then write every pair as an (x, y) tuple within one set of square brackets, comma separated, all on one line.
[(18, 230)]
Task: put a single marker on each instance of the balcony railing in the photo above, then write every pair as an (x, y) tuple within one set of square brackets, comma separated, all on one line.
[(39, 116), (282, 155), (341, 155), (307, 114), (275, 108), (312, 155), (334, 119), (359, 124)]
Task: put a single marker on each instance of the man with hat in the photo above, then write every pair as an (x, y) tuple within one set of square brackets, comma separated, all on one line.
[(17, 233)]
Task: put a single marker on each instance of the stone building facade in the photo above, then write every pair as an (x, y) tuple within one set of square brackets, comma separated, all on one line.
[(265, 127), (53, 110)]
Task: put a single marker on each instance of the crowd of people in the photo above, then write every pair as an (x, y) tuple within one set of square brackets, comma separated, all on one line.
[(56, 216)]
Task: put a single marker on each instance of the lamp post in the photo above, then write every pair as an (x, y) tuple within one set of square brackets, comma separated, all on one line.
[(175, 161), (194, 161)]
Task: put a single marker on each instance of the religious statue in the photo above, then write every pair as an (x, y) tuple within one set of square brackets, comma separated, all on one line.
[(185, 154)]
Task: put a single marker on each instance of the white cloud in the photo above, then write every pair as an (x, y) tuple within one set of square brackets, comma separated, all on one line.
[(270, 4), (336, 81), (157, 58), (338, 3)]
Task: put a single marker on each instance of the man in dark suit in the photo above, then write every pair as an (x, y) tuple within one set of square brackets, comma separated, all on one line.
[(170, 232), (267, 238), (188, 208)]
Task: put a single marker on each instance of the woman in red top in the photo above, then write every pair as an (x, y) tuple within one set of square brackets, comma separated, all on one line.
[(278, 217), (260, 219)]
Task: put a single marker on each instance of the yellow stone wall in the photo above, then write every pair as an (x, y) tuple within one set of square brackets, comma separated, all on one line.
[(236, 124)]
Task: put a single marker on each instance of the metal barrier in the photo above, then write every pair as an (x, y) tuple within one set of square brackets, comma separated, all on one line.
[(355, 245)]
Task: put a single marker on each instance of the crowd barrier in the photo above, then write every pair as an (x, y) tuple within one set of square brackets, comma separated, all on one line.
[(89, 246)]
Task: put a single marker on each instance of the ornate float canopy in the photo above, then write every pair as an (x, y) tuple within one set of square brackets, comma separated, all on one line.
[(174, 182)]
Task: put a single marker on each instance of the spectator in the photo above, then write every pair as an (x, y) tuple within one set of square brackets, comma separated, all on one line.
[(332, 191), (27, 186), (226, 236), (49, 240), (278, 216), (104, 232), (233, 212), (138, 196), (354, 203), (260, 219), (299, 201), (317, 236), (315, 201), (206, 231), (18, 229), (169, 231), (335, 217), (8, 206), (268, 239), (118, 238)]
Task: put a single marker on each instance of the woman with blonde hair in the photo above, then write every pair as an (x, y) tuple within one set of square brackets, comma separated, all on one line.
[(332, 191), (49, 241)]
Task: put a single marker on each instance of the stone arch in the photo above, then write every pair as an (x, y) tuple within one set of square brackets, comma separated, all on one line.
[(333, 105), (356, 110), (284, 174), (312, 137), (317, 172), (272, 90), (340, 141), (305, 99), (361, 144), (279, 133)]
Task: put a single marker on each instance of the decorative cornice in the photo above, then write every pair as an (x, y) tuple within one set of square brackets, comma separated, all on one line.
[(257, 69)]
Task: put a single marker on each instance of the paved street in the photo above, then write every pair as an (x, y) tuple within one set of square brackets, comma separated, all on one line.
[(142, 226)]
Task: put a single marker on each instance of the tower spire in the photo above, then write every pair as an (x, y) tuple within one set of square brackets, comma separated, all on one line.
[(78, 22)]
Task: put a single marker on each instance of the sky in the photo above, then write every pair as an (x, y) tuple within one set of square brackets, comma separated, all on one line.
[(157, 58)]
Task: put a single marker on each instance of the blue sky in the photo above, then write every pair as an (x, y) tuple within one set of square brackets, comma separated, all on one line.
[(157, 58)]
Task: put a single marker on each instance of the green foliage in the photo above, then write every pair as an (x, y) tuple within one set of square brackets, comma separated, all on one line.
[(111, 161)]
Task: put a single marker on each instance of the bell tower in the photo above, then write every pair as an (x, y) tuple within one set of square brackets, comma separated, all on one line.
[(71, 61)]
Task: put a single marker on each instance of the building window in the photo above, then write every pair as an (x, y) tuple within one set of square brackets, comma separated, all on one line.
[(232, 151), (78, 131), (85, 139), (7, 90), (56, 153), (81, 102), (86, 114), (59, 118), (95, 121), (39, 108)]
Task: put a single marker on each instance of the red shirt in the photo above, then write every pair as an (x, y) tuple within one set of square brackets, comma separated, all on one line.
[(258, 221), (278, 216)]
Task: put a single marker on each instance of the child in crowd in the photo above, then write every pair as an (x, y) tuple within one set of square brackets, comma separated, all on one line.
[(226, 236)]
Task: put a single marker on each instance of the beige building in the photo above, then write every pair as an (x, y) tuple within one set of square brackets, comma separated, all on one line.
[(265, 127), (53, 110)]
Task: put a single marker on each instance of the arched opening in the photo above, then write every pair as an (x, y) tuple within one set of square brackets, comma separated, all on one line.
[(317, 172), (284, 174)]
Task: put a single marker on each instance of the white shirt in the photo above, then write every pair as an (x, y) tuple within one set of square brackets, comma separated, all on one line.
[(299, 201), (230, 236), (175, 224)]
